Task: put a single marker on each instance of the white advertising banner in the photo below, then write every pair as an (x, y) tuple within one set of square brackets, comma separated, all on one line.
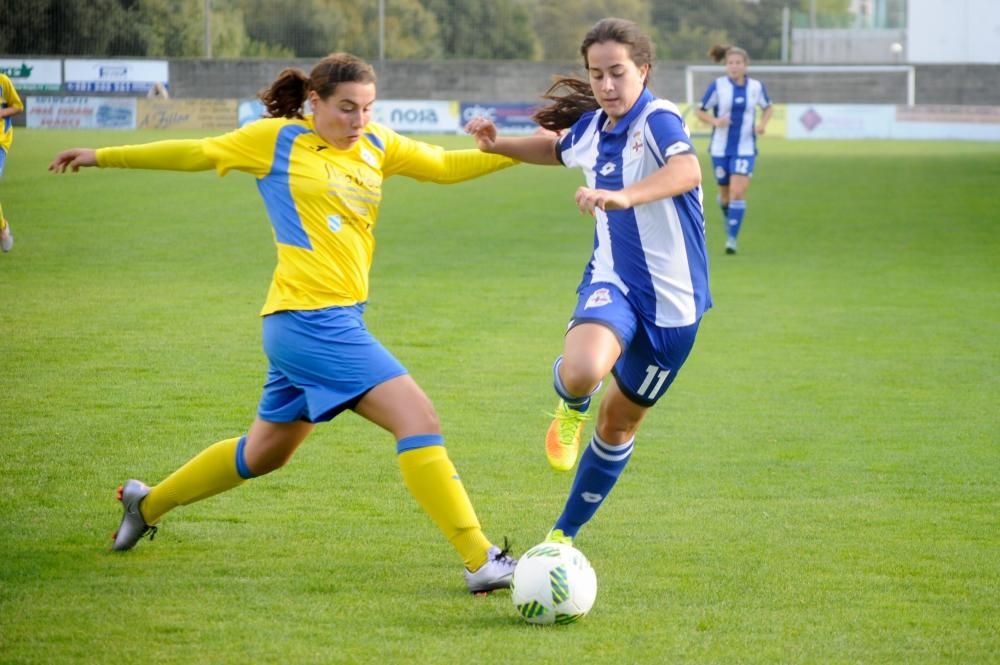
[(32, 75), (876, 121), (970, 123), (418, 115), (81, 112), (115, 75), (832, 121)]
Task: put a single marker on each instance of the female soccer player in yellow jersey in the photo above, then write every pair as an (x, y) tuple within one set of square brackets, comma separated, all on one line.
[(320, 176), (10, 105)]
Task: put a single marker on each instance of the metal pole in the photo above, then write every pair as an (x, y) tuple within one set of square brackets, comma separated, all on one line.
[(381, 35), (208, 28), (786, 21)]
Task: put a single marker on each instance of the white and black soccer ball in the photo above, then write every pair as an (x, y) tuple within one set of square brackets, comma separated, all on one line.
[(553, 583)]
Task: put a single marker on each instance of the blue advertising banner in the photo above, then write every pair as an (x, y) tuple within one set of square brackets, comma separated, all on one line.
[(510, 117)]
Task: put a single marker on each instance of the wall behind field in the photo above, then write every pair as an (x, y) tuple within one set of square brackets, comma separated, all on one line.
[(520, 81)]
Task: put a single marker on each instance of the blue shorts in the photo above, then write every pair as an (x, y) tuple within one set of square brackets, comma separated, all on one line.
[(3, 160), (651, 355), (321, 362), (729, 166)]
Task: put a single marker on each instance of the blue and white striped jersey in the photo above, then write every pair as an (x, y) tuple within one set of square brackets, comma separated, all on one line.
[(739, 102), (654, 252)]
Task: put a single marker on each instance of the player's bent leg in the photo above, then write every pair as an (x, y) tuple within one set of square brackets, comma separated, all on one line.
[(220, 467), (590, 351), (402, 408)]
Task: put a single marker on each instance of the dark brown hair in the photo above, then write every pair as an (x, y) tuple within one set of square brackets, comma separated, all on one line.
[(572, 96), (720, 52), (285, 96)]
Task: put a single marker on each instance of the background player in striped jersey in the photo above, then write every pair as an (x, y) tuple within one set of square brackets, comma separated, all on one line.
[(733, 100), (10, 105), (645, 286), (320, 176)]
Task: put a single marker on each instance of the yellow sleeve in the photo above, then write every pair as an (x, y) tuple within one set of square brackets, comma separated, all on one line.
[(423, 161), (179, 155), (248, 149), (10, 94)]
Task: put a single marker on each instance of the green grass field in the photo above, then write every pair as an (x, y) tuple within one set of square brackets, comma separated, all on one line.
[(821, 484)]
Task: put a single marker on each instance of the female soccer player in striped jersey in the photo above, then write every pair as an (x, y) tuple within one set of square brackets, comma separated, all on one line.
[(645, 286), (733, 100), (320, 176)]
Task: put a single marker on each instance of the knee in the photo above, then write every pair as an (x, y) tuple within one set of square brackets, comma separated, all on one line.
[(421, 418), (580, 376)]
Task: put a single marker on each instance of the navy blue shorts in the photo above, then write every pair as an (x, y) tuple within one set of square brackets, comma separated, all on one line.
[(651, 355), (725, 167), (320, 363)]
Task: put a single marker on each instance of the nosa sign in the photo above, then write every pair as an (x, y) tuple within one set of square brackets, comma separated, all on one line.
[(431, 116)]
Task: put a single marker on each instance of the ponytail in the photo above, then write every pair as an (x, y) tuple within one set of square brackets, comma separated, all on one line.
[(286, 95), (720, 52), (566, 107)]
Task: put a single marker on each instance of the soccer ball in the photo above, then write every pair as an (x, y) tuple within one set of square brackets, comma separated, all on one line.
[(553, 583)]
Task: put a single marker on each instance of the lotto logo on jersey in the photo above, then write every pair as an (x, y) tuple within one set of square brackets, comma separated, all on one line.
[(676, 149), (598, 298), (608, 168)]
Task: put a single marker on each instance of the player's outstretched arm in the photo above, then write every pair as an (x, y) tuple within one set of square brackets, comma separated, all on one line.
[(536, 149)]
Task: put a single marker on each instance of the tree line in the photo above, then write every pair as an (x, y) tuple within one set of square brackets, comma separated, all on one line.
[(413, 29)]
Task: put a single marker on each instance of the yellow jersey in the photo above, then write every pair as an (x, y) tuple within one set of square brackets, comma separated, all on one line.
[(8, 97), (322, 201)]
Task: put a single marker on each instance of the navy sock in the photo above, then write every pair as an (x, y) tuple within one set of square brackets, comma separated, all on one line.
[(600, 466)]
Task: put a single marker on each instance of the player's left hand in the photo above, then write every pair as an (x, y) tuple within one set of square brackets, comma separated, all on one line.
[(760, 129)]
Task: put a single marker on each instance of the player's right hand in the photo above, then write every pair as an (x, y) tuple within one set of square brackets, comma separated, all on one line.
[(484, 131)]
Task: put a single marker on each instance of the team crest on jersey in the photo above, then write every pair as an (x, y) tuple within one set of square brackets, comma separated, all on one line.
[(333, 221), (636, 142), (598, 298), (368, 157)]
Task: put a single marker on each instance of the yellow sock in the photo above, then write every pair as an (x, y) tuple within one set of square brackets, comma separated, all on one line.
[(3, 220), (211, 471), (433, 481)]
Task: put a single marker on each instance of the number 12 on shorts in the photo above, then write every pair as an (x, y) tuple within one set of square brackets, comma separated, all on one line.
[(651, 385)]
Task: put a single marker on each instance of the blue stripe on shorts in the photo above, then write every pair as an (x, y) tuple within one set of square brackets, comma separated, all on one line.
[(321, 363)]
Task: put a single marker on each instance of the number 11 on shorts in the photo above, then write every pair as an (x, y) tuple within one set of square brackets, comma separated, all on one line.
[(653, 373)]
